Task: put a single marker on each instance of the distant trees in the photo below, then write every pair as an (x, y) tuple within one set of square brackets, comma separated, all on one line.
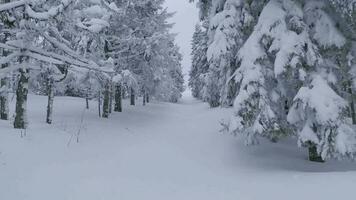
[(288, 66)]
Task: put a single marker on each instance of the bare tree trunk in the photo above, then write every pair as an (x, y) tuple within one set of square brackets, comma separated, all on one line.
[(147, 98), (106, 101), (118, 98), (352, 103), (50, 93), (99, 103), (132, 95), (111, 97), (21, 100), (87, 102), (144, 98)]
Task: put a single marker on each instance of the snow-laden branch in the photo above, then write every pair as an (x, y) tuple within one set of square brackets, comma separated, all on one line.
[(61, 46), (8, 58), (49, 57), (12, 5), (52, 12), (111, 6), (43, 58)]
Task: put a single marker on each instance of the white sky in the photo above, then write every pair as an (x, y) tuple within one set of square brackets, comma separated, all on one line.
[(185, 20)]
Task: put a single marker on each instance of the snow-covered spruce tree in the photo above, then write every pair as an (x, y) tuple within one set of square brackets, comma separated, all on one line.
[(230, 23), (227, 34), (169, 85), (200, 64), (346, 22), (140, 43), (213, 76), (271, 48), (287, 64), (322, 111)]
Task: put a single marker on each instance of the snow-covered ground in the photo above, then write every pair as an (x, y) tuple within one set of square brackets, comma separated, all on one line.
[(159, 152)]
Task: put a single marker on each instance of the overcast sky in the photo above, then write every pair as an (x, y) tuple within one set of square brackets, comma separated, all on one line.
[(185, 19)]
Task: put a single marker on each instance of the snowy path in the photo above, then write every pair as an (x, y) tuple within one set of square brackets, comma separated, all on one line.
[(158, 152)]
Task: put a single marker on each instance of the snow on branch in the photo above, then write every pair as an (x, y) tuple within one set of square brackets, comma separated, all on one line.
[(61, 46), (52, 12), (8, 58), (43, 58), (49, 57), (111, 6), (12, 5)]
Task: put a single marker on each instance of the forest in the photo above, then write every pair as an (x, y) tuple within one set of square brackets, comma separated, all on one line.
[(90, 49), (177, 99)]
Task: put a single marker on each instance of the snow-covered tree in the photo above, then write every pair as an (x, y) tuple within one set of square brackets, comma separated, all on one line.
[(199, 62), (322, 109), (34, 26), (229, 24), (279, 55)]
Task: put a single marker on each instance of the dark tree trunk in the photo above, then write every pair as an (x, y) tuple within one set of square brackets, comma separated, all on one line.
[(118, 99), (144, 98), (314, 155), (50, 93), (352, 103), (21, 100), (132, 97), (147, 98), (87, 103), (231, 92), (106, 103), (111, 97), (99, 103)]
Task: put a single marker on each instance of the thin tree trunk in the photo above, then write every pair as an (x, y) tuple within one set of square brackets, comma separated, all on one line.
[(132, 95), (20, 121), (99, 103), (111, 97), (144, 98), (147, 98), (87, 102), (50, 93), (352, 103), (106, 101), (118, 98)]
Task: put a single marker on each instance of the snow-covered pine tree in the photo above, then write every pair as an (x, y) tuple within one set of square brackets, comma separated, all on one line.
[(295, 56), (200, 64), (258, 110), (228, 31), (322, 111), (33, 23), (140, 43), (229, 24)]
